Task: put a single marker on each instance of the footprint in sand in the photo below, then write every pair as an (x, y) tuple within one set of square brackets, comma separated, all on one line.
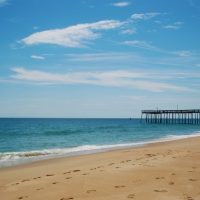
[(93, 168), (188, 197), (25, 180), (50, 174), (160, 178), (68, 177), (160, 191), (90, 191), (120, 186), (76, 170), (111, 164), (15, 184), (85, 174), (38, 189), (37, 177), (67, 172), (171, 183), (150, 155), (22, 197), (67, 198), (191, 179), (54, 183), (131, 196)]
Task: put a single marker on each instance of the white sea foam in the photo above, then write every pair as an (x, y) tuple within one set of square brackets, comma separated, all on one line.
[(178, 137), (15, 158)]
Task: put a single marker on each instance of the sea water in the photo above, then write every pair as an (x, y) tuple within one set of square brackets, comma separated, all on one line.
[(26, 140)]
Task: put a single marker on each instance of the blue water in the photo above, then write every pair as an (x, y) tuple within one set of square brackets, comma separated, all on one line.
[(25, 140)]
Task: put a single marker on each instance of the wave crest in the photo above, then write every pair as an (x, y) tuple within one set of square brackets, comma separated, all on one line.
[(15, 158)]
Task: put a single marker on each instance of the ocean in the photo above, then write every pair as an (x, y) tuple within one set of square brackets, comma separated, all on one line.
[(25, 140)]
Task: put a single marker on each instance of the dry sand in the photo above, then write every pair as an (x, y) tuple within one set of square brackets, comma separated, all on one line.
[(162, 171)]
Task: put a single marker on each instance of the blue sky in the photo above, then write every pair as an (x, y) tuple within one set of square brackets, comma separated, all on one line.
[(91, 58)]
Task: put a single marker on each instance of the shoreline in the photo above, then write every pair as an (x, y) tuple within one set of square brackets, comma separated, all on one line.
[(165, 170), (41, 155), (103, 151)]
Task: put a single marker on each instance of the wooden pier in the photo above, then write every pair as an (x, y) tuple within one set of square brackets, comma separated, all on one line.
[(171, 116)]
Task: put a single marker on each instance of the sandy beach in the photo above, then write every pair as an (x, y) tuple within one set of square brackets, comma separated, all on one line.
[(161, 171)]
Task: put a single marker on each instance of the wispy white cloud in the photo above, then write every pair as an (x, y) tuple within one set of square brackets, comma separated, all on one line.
[(144, 16), (72, 36), (3, 2), (121, 4), (107, 56), (119, 78), (128, 31), (158, 22), (115, 60), (38, 57), (174, 26), (183, 53), (149, 46), (140, 44)]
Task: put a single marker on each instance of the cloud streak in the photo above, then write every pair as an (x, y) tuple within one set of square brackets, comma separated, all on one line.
[(174, 26), (140, 44), (37, 57), (72, 36), (144, 16), (117, 78), (184, 53), (121, 4), (3, 2), (107, 56), (128, 31)]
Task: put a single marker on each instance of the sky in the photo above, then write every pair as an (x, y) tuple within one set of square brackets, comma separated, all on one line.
[(92, 58)]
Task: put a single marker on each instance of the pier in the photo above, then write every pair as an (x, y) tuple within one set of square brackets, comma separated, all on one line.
[(191, 116)]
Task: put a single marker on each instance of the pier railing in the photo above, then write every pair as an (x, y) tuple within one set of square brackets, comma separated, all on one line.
[(191, 116)]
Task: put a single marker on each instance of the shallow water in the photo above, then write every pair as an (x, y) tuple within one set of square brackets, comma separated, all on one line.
[(25, 140)]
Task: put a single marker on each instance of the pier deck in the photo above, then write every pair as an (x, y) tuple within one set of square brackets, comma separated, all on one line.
[(191, 116)]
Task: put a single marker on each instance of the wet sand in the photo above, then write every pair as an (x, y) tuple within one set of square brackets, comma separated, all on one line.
[(161, 171)]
